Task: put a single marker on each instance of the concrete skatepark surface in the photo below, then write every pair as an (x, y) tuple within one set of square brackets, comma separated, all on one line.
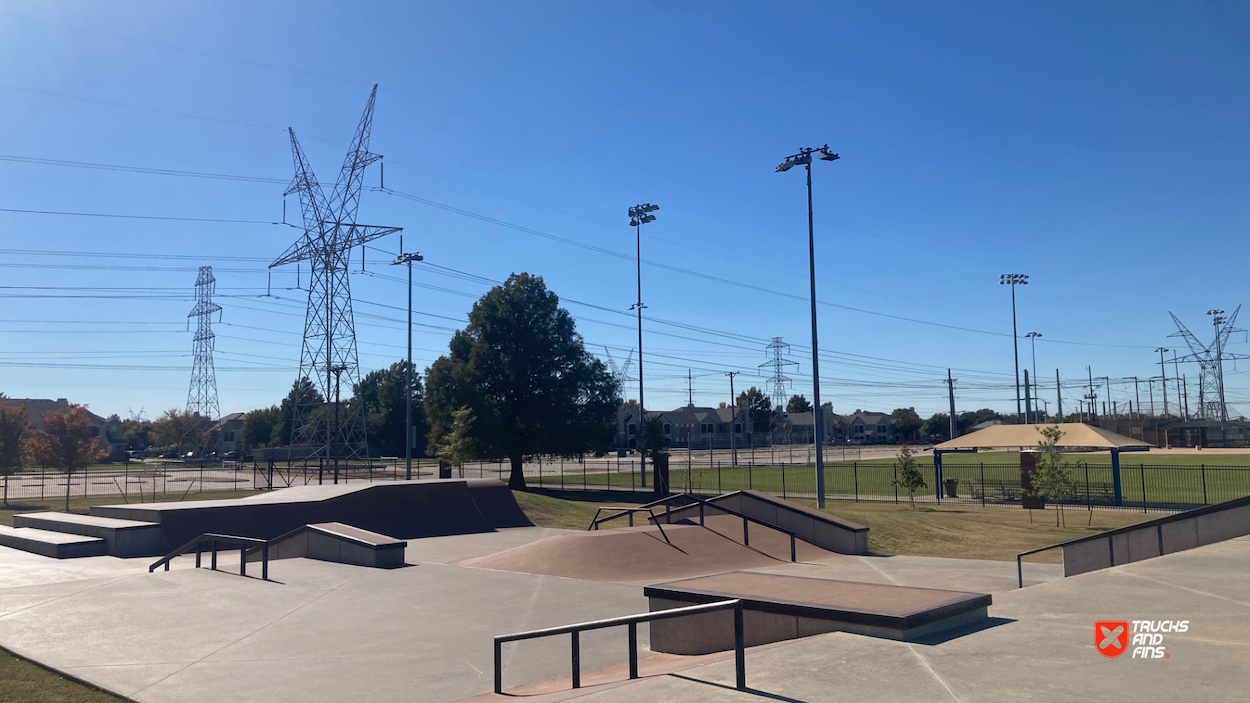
[(334, 632), (642, 553)]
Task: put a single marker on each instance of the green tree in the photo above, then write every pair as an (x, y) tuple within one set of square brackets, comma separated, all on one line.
[(908, 475), (259, 426), (136, 432), (303, 393), (458, 445), (969, 418), (938, 425), (798, 404), (522, 369), (657, 443), (759, 407), (65, 443), (176, 428), (1053, 477), (906, 423), (382, 394), (13, 427)]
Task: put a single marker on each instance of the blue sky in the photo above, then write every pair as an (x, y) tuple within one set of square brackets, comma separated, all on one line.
[(1101, 148)]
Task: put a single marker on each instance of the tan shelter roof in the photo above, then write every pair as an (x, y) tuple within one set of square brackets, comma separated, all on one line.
[(1075, 435)]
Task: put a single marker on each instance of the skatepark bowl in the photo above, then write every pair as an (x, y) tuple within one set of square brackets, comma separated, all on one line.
[(443, 590)]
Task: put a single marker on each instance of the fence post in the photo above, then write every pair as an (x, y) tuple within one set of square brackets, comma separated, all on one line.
[(895, 482), (983, 485), (783, 481), (1204, 484), (855, 469), (718, 482), (1143, 486)]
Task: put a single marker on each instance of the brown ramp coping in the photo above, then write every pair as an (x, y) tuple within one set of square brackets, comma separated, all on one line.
[(779, 607)]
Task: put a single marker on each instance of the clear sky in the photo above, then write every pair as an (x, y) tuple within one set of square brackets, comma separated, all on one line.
[(1100, 147)]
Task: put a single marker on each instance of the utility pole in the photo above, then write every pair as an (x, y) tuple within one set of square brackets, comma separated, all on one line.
[(640, 215), (689, 390), (1013, 280), (334, 449), (804, 158), (1137, 394), (1150, 386), (1033, 337), (1185, 385), (1164, 370), (733, 404), (950, 386), (1029, 417), (1058, 396), (1176, 376), (1109, 401), (1092, 397), (407, 259)]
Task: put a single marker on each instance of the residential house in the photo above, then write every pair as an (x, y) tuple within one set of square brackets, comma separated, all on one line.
[(226, 435), (109, 434)]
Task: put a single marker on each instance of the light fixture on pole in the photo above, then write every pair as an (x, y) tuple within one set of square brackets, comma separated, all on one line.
[(804, 158), (1013, 280), (640, 215), (1033, 337), (408, 259)]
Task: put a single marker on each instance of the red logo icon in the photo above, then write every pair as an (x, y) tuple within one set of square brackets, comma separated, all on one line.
[(1111, 637)]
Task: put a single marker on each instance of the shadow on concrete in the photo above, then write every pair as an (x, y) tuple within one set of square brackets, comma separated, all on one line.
[(957, 632), (748, 689)]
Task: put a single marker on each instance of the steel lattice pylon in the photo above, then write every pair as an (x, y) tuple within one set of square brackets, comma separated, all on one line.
[(202, 396), (1208, 356), (322, 426), (779, 381)]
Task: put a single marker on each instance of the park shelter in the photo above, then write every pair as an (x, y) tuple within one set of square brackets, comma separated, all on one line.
[(1077, 436)]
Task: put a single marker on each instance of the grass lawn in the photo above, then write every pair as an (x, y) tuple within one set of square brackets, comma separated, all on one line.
[(573, 510), (24, 682), (81, 505), (1181, 485)]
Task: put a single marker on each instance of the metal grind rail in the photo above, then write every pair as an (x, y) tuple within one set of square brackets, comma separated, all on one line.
[(630, 621), (701, 502), (216, 542)]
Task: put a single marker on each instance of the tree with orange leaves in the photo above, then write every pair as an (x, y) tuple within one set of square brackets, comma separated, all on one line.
[(65, 443)]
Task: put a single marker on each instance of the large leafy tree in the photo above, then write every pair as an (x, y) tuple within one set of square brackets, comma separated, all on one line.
[(906, 422), (759, 407), (260, 427), (382, 394), (176, 428), (65, 443), (13, 426), (522, 370), (938, 425), (798, 404), (303, 393)]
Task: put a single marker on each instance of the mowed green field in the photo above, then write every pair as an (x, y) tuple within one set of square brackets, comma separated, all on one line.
[(1140, 482)]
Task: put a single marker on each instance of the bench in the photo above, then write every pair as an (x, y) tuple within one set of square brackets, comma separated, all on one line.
[(1010, 491)]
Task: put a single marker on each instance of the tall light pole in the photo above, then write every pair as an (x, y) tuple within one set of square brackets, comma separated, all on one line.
[(1217, 318), (804, 158), (639, 215), (1013, 280), (1033, 337), (408, 258), (1164, 370)]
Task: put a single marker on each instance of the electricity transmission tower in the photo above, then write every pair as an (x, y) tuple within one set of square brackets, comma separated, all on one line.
[(202, 396), (779, 381), (1209, 358), (328, 356), (620, 373)]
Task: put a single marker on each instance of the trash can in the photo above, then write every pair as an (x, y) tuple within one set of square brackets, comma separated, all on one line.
[(444, 469), (949, 485), (659, 467)]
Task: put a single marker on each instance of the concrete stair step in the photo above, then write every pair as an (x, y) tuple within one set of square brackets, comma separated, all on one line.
[(123, 538), (48, 543)]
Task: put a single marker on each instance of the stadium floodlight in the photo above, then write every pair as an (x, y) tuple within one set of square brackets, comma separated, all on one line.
[(1013, 280), (638, 216), (804, 158), (408, 258)]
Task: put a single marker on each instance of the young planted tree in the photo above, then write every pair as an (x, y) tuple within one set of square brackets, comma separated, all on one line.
[(1053, 477), (522, 369), (908, 475), (13, 428), (65, 444), (657, 443), (458, 445)]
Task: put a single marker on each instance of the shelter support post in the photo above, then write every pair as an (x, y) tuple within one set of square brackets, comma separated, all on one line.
[(937, 474), (1115, 477)]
